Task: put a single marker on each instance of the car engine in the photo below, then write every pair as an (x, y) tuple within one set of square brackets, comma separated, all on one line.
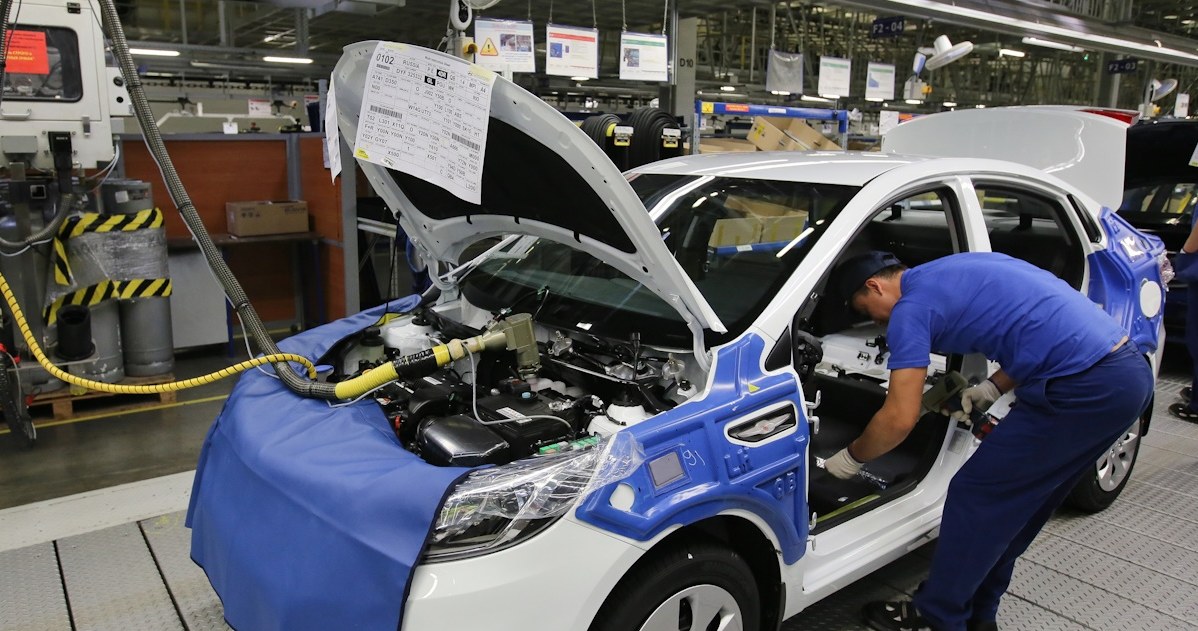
[(492, 407)]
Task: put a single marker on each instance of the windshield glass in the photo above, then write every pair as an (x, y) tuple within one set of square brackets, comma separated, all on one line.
[(738, 239)]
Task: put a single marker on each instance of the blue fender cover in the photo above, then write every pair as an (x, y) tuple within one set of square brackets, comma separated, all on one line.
[(305, 516), (718, 475), (1116, 273)]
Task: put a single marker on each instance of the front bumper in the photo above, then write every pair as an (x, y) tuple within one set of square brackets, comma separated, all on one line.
[(555, 581)]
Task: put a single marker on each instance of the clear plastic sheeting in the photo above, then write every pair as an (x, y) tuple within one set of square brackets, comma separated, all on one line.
[(542, 487), (784, 72), (99, 256)]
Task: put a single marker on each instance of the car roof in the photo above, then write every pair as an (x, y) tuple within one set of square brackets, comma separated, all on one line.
[(850, 168)]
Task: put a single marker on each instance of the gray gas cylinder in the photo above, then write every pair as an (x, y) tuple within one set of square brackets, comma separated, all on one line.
[(26, 274)]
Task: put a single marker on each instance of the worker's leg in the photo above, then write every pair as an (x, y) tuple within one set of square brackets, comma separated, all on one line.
[(1188, 410), (1001, 498)]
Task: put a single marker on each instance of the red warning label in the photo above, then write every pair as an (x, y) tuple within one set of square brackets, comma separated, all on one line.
[(27, 53)]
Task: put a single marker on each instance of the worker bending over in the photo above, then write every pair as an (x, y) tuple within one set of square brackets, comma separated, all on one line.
[(1080, 383)]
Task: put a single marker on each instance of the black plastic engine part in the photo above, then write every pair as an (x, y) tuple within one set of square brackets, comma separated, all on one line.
[(460, 441), (527, 435)]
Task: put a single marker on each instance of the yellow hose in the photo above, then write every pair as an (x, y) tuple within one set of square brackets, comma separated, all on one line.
[(100, 386)]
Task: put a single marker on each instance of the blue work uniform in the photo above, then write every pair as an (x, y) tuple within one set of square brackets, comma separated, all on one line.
[(1192, 331), (1076, 397)]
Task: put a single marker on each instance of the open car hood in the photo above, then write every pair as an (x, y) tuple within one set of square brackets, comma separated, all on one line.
[(1083, 148), (541, 176)]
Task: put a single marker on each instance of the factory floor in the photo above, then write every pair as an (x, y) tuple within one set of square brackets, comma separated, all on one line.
[(101, 496)]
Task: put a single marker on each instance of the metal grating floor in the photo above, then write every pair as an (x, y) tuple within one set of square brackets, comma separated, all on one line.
[(1133, 566)]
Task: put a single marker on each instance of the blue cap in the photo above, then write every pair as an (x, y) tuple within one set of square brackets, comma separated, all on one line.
[(852, 274)]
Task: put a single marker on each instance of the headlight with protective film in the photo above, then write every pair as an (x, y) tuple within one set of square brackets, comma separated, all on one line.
[(498, 507)]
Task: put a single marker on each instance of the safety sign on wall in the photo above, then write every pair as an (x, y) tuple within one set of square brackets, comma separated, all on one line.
[(643, 57), (259, 108), (571, 51), (834, 74), (879, 81), (27, 53), (504, 45), (426, 114)]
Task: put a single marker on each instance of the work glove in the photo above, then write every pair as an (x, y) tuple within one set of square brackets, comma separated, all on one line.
[(981, 396), (842, 465)]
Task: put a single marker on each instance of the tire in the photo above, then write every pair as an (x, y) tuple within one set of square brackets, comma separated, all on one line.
[(1099, 487), (691, 586)]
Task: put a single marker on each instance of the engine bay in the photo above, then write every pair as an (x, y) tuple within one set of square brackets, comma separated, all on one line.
[(496, 407)]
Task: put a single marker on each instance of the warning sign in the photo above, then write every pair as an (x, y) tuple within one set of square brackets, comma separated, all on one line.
[(27, 53), (488, 49)]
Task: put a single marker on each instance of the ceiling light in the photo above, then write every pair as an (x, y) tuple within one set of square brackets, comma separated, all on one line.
[(779, 92), (939, 8), (1008, 52), (1036, 41), (1187, 22), (913, 101), (288, 60), (579, 78), (815, 99), (1170, 17), (980, 106), (950, 103), (874, 99), (831, 96), (728, 88), (153, 52)]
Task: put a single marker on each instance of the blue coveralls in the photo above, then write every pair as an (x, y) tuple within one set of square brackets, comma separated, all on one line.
[(1076, 396), (1192, 331)]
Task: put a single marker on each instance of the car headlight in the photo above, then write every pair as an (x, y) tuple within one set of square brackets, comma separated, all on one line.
[(498, 507)]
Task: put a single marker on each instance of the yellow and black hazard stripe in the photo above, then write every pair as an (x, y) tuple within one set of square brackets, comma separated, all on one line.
[(148, 219), (103, 290)]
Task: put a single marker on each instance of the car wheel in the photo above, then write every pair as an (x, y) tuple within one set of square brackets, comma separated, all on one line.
[(1099, 487), (690, 586)]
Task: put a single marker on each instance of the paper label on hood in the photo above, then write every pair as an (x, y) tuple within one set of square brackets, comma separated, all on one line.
[(426, 114)]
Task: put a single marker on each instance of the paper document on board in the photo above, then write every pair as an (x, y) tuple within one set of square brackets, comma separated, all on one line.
[(332, 133), (426, 114)]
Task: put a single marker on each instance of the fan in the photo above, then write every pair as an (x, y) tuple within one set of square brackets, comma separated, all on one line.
[(1159, 89), (945, 53)]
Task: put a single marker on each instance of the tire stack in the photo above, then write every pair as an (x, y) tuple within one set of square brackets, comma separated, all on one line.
[(599, 128), (649, 141)]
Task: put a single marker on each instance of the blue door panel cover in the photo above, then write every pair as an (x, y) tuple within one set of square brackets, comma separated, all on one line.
[(767, 480), (1116, 273)]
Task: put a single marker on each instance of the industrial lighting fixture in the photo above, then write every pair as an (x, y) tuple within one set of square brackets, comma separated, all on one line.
[(950, 103), (980, 106), (779, 92), (874, 99), (936, 7), (913, 101), (1036, 41), (579, 78), (288, 60), (728, 88), (1010, 52), (814, 99), (153, 52), (1170, 17), (832, 97)]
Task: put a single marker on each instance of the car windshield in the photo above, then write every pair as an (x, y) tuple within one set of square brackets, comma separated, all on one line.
[(738, 239)]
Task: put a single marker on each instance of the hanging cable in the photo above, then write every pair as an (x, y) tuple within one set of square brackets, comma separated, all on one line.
[(550, 12), (624, 13), (665, 15), (594, 16)]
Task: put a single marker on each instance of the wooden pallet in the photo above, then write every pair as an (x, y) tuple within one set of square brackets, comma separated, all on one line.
[(68, 402)]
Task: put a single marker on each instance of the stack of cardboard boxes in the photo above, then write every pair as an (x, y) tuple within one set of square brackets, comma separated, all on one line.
[(788, 134)]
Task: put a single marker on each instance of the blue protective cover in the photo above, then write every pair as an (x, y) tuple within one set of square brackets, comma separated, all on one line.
[(309, 517)]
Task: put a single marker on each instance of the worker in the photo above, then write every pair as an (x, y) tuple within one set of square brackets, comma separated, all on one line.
[(1186, 265), (1080, 383)]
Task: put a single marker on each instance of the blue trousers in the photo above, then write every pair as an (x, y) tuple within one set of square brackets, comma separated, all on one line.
[(1192, 336), (1021, 473)]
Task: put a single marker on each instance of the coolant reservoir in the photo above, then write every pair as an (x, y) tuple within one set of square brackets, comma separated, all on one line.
[(408, 335)]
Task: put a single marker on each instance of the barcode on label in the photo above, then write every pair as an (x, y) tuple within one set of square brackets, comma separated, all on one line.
[(382, 110), (468, 143)]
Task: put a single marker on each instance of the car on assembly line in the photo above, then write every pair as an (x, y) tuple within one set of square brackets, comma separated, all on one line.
[(653, 459)]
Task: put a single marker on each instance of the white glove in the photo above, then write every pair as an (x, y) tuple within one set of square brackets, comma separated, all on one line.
[(981, 396), (842, 465)]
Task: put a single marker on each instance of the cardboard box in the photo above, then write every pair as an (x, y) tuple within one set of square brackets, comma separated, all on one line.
[(248, 219), (725, 145), (787, 134)]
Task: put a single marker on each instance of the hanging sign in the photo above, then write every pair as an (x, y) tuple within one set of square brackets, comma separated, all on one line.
[(643, 57), (504, 45), (1181, 108), (887, 120), (888, 27), (426, 114), (1120, 66), (27, 53), (259, 108), (879, 81), (571, 51), (834, 74)]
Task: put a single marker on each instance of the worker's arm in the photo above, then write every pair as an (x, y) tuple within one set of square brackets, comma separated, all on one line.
[(891, 424), (1003, 381)]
